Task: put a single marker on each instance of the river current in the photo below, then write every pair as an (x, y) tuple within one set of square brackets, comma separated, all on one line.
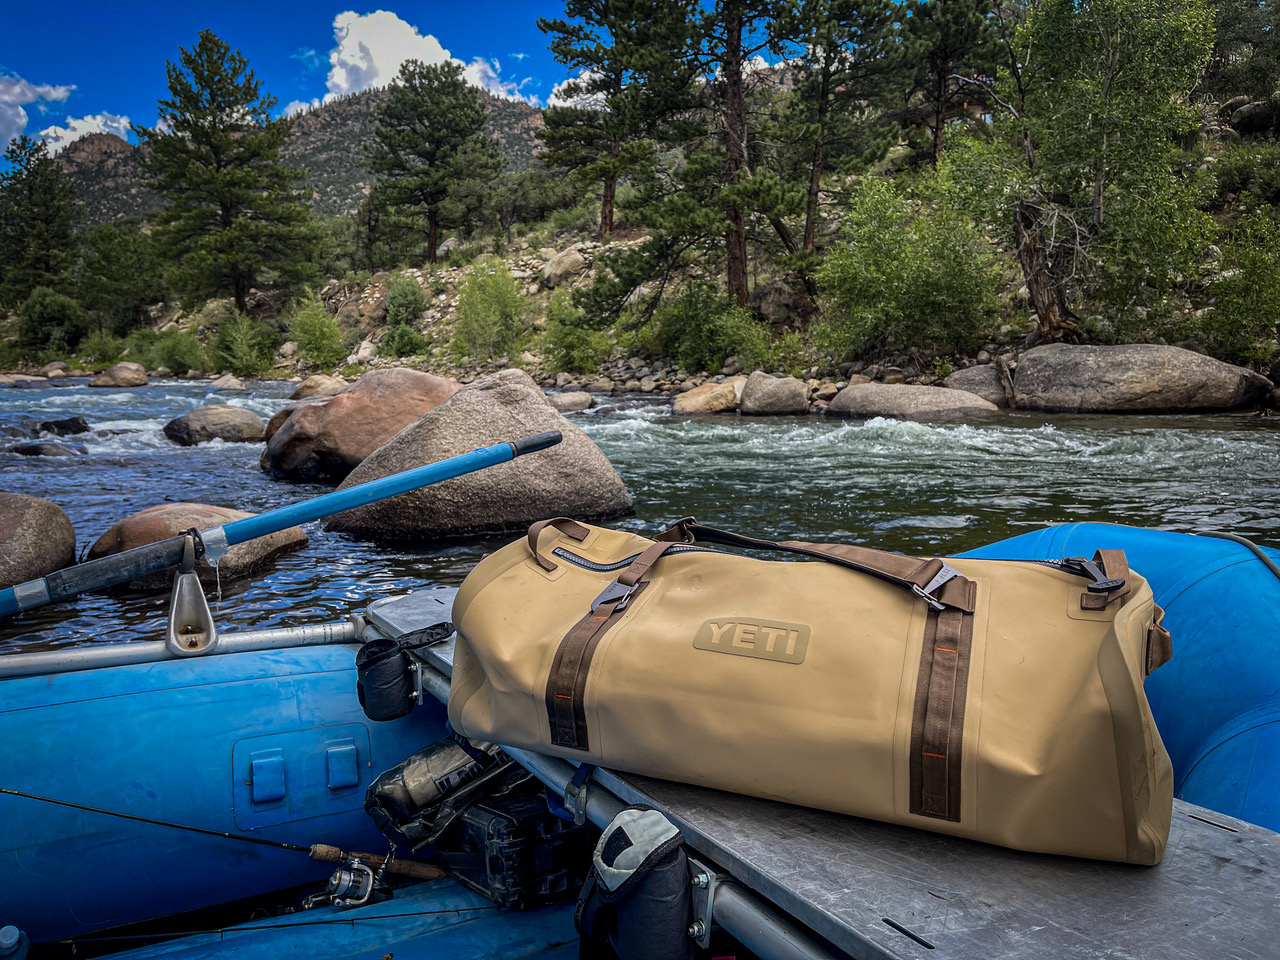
[(917, 488)]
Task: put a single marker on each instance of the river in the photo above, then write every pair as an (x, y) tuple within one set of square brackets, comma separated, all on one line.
[(918, 488)]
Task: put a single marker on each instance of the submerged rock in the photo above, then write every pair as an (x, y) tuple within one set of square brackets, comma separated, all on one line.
[(172, 519), (227, 382), (234, 424), (573, 478), (319, 385), (122, 374), (328, 438), (50, 448), (36, 538), (68, 426), (904, 401), (768, 396), (1142, 377)]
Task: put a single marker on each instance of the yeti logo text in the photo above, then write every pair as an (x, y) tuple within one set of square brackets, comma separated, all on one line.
[(763, 639)]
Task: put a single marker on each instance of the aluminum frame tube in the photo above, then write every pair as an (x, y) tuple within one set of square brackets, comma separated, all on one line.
[(73, 659), (759, 927)]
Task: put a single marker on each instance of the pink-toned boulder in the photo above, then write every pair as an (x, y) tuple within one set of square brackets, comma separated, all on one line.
[(327, 439), (171, 519)]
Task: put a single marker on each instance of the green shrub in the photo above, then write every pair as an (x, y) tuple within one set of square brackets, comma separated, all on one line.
[(490, 312), (572, 347), (1245, 321), (701, 327), (178, 352), (404, 341), (243, 346), (51, 319), (405, 303), (906, 274), (99, 348), (317, 334)]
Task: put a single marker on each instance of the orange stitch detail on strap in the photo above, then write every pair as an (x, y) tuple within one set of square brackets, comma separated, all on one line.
[(940, 756), (945, 650)]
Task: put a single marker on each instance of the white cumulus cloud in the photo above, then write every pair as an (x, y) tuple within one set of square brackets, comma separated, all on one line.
[(298, 106), (16, 93), (77, 127), (562, 97), (370, 48)]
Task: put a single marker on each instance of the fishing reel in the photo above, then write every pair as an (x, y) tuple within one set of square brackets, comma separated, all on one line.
[(354, 884)]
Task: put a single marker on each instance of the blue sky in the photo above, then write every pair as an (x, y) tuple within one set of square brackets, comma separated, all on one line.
[(95, 64)]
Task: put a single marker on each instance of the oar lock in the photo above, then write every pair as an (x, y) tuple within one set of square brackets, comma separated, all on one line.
[(191, 630)]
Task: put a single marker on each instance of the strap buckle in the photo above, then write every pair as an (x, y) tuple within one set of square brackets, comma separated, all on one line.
[(615, 591), (575, 793), (925, 593), (1087, 568)]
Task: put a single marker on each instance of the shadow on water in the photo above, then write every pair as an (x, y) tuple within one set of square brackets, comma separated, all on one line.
[(919, 488)]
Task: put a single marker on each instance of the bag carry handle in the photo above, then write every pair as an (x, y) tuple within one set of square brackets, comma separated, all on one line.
[(935, 581)]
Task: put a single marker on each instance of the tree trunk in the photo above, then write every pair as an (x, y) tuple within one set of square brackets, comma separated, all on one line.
[(735, 137), (939, 108), (242, 294), (433, 231), (1043, 282), (610, 190), (815, 173)]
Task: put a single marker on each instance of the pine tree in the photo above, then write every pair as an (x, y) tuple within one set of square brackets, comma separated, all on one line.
[(847, 61), (428, 142), (628, 55), (118, 276), (233, 214), (38, 207), (944, 39)]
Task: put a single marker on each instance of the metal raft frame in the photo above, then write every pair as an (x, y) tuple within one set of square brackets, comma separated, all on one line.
[(876, 891)]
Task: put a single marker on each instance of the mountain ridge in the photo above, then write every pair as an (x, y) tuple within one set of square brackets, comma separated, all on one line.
[(325, 142)]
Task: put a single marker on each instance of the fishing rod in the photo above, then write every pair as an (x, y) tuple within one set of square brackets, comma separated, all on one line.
[(320, 852), (154, 557)]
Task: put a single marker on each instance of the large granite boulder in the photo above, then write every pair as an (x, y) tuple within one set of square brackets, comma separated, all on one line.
[(57, 368), (765, 395), (571, 479), (36, 539), (319, 385), (982, 380), (1137, 378), (563, 266), (904, 401), (572, 401), (708, 398), (122, 374), (172, 519), (328, 438), (234, 424)]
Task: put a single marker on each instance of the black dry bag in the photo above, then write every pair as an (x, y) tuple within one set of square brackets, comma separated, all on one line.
[(384, 679)]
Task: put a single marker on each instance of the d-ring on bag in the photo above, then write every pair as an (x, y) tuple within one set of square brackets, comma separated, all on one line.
[(996, 700)]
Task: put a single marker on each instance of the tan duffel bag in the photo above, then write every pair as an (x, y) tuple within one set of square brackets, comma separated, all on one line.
[(996, 700)]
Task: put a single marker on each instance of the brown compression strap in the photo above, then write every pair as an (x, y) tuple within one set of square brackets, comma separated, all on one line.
[(569, 528), (567, 680), (897, 568), (1159, 643), (937, 720), (1116, 566)]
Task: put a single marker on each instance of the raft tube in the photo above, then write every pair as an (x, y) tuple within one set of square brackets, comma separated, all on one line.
[(1217, 702)]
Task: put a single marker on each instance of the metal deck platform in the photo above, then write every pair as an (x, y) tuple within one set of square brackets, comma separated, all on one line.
[(877, 890)]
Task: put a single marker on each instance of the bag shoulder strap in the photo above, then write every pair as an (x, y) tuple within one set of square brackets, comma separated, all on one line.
[(934, 580)]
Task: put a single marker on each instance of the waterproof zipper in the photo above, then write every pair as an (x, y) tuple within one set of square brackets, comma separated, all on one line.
[(586, 564)]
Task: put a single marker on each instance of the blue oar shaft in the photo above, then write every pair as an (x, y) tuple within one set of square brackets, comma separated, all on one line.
[(251, 528), (154, 557)]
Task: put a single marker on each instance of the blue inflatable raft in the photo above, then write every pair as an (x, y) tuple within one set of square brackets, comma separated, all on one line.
[(1217, 702)]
